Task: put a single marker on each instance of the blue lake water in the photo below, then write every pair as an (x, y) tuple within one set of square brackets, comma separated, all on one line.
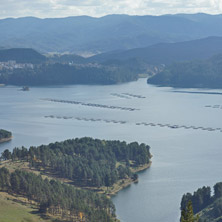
[(183, 159)]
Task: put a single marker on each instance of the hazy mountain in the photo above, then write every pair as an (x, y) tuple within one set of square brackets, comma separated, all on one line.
[(21, 55), (112, 32), (166, 53)]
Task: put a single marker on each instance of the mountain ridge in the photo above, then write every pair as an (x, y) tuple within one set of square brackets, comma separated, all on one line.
[(166, 53), (112, 32)]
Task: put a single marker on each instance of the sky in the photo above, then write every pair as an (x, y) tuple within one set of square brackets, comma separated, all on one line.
[(98, 8)]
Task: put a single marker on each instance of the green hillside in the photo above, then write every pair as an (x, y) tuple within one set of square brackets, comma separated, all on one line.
[(11, 211)]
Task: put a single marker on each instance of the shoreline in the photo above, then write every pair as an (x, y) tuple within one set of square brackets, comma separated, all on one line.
[(108, 191), (121, 184), (5, 139)]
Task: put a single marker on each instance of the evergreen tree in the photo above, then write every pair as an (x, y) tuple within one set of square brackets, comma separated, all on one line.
[(187, 214)]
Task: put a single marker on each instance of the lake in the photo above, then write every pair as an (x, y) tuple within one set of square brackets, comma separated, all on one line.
[(186, 146)]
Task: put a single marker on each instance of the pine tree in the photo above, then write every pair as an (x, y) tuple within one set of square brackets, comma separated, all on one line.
[(187, 214)]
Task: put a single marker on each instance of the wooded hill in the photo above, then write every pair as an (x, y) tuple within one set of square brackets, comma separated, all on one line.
[(21, 55), (209, 207), (57, 199), (193, 74), (51, 74)]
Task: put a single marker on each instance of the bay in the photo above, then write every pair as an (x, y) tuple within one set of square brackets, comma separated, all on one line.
[(183, 159)]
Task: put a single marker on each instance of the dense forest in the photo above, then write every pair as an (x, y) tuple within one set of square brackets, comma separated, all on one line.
[(57, 199), (193, 74), (86, 161), (209, 207), (4, 134), (49, 74)]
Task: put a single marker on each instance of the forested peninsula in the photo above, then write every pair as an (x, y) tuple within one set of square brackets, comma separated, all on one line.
[(79, 175), (191, 74), (206, 206), (5, 136), (28, 67), (57, 73)]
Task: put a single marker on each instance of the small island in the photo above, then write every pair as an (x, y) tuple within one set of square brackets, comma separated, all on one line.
[(25, 88), (5, 136)]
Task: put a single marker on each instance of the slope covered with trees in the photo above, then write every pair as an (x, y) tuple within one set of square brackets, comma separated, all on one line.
[(86, 161), (57, 199), (207, 206), (193, 74)]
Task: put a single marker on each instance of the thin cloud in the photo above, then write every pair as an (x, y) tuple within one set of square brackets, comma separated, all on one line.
[(97, 8)]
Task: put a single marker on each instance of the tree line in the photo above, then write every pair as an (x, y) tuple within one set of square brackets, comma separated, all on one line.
[(57, 73)]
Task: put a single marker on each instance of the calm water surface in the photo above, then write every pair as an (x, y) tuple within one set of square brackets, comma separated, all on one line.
[(183, 159)]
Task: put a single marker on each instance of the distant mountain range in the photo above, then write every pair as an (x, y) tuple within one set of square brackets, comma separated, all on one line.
[(113, 32), (163, 53), (167, 53)]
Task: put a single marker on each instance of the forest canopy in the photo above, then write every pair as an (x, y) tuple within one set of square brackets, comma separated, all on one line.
[(55, 198), (86, 161), (192, 74)]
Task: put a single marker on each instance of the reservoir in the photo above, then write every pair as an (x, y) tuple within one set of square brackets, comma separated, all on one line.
[(183, 128)]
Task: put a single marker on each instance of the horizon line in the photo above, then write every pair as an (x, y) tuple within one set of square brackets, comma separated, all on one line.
[(115, 14)]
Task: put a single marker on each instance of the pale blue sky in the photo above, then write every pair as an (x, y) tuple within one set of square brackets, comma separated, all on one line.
[(97, 8)]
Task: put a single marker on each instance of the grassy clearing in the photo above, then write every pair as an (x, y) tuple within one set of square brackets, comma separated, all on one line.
[(12, 210)]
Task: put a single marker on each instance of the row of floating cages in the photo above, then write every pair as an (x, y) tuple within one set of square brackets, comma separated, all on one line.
[(180, 126), (86, 119), (214, 106), (90, 104), (142, 123), (128, 95)]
